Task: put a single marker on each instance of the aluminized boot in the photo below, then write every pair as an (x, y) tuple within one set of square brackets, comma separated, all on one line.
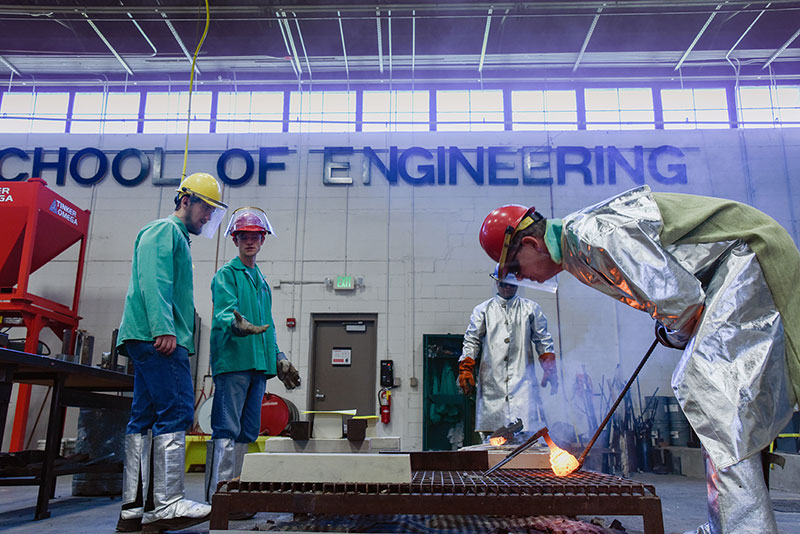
[(240, 449), (135, 481), (738, 499), (171, 510), (220, 464)]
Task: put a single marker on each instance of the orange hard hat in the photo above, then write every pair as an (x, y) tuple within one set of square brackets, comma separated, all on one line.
[(499, 227)]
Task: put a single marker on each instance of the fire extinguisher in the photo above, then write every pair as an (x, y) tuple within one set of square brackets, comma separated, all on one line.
[(385, 400)]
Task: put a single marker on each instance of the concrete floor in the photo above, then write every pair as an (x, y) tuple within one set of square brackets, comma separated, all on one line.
[(682, 498)]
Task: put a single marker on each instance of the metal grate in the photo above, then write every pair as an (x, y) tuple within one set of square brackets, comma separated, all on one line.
[(510, 492), (506, 482)]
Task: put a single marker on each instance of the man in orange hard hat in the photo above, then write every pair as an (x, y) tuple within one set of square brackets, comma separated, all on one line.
[(720, 279)]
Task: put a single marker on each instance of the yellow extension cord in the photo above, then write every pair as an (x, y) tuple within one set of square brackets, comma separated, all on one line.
[(191, 86)]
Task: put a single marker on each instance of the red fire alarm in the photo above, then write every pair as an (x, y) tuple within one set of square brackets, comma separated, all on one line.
[(290, 322)]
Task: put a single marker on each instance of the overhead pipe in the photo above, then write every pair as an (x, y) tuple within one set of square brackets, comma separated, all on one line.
[(344, 47), (781, 49), (303, 46), (8, 64)]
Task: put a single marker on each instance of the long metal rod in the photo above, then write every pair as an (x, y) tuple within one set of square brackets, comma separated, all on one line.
[(697, 37), (519, 450), (344, 47), (302, 45), (619, 399)]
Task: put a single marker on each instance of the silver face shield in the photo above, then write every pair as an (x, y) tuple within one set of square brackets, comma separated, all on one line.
[(549, 286)]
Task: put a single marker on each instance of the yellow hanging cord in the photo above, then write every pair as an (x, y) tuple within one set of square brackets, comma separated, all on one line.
[(191, 86)]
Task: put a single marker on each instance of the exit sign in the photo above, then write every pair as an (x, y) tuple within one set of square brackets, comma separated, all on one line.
[(343, 282)]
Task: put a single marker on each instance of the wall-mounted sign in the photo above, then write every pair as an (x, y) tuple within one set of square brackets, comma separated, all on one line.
[(340, 356)]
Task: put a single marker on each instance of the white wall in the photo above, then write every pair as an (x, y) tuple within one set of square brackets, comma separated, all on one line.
[(416, 247)]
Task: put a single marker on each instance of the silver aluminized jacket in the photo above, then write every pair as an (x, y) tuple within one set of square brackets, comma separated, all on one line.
[(504, 334), (732, 381)]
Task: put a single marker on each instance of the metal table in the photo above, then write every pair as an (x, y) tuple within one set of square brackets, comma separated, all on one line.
[(73, 385), (510, 492)]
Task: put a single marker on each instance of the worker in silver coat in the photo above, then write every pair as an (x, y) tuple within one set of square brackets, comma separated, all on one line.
[(719, 278), (508, 333)]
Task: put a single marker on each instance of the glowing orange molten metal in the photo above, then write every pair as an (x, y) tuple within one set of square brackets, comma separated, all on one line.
[(562, 462), (496, 442)]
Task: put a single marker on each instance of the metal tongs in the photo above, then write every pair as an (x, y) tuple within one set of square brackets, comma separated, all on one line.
[(520, 449)]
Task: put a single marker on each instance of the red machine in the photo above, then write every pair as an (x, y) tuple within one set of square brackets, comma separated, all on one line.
[(38, 225)]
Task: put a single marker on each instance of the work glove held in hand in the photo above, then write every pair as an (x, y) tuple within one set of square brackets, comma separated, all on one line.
[(466, 379), (549, 372), (243, 327), (287, 373), (670, 339)]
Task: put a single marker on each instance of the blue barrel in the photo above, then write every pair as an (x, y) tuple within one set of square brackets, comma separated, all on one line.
[(659, 432), (679, 431)]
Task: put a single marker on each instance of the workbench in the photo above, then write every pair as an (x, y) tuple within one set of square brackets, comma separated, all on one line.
[(74, 385)]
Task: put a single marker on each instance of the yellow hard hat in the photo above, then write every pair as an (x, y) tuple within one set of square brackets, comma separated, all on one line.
[(205, 187)]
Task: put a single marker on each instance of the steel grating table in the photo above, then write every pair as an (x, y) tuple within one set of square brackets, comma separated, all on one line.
[(509, 492)]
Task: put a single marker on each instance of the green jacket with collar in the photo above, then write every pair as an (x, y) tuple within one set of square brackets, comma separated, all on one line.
[(160, 299), (233, 288)]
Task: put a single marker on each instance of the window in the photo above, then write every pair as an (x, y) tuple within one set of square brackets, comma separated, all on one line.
[(689, 109), (106, 113), (396, 111), (544, 110), (619, 109), (769, 106), (322, 111), (469, 111), (17, 111), (166, 112), (250, 112)]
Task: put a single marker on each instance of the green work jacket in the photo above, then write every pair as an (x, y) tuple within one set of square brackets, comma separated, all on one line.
[(233, 288), (160, 299)]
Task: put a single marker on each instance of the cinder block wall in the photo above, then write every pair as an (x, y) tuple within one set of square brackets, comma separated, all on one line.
[(415, 246)]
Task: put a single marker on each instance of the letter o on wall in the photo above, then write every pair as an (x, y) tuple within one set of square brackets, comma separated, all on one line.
[(144, 167), (102, 166), (248, 171)]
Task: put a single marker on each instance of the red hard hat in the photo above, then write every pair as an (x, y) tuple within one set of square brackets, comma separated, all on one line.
[(248, 222), (495, 226)]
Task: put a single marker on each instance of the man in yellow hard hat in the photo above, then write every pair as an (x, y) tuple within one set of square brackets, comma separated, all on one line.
[(720, 278), (157, 333)]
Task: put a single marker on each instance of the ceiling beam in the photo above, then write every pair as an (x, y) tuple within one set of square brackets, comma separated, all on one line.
[(781, 49), (485, 39), (739, 40), (178, 38), (344, 46), (8, 64), (380, 38), (293, 49), (699, 34), (302, 45), (588, 36), (105, 41)]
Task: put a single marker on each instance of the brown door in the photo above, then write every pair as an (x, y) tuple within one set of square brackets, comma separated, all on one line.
[(344, 367)]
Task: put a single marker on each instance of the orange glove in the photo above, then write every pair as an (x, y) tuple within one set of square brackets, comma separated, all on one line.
[(466, 380), (549, 372)]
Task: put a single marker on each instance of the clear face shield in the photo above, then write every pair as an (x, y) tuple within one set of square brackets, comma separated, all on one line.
[(210, 228), (249, 219)]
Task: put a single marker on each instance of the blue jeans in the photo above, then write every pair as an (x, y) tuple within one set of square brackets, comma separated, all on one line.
[(236, 412), (163, 395)]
